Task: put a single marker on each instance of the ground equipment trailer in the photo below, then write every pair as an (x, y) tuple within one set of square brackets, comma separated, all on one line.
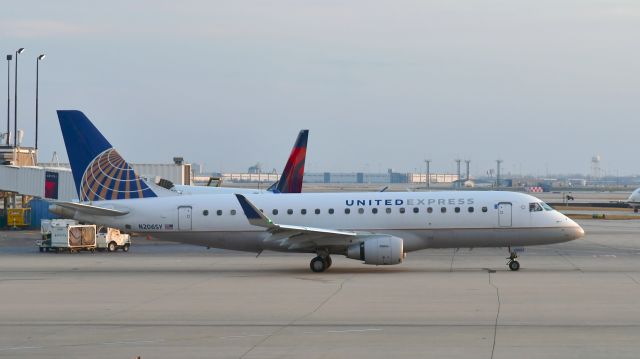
[(61, 235), (111, 239)]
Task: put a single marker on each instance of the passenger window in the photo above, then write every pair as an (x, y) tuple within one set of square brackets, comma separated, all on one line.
[(361, 210), (388, 210), (317, 211), (233, 212), (429, 210), (443, 209), (374, 210), (205, 212), (457, 209), (401, 209), (416, 210), (330, 210), (219, 212), (303, 211), (484, 209), (471, 209), (275, 212), (289, 211), (347, 211)]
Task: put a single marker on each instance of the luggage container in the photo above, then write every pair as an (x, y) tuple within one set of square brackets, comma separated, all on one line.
[(61, 235)]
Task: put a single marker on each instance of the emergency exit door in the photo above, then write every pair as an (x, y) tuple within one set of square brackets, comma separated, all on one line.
[(504, 214), (184, 218)]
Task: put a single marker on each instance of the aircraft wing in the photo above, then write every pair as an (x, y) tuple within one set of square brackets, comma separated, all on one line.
[(296, 237)]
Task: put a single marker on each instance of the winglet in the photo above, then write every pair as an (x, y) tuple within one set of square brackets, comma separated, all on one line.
[(254, 215)]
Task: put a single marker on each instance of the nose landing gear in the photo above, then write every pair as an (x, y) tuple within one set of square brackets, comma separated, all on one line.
[(513, 264)]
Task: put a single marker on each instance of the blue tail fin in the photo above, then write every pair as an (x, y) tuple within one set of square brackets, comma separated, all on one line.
[(293, 173), (99, 172)]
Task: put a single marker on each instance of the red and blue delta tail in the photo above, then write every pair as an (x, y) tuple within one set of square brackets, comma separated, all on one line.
[(293, 174), (100, 173)]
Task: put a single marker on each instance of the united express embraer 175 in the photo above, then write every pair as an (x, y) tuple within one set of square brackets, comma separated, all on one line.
[(376, 228)]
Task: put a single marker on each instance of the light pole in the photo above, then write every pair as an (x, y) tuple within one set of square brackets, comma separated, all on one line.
[(428, 180), (15, 100), (9, 57), (468, 163), (40, 58)]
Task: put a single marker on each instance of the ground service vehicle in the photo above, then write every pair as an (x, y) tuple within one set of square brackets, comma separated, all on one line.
[(111, 239)]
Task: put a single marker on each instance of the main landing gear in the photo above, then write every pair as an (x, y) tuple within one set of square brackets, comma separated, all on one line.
[(320, 263), (513, 264)]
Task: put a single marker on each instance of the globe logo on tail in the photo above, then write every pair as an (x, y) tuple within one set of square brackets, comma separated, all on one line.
[(110, 177)]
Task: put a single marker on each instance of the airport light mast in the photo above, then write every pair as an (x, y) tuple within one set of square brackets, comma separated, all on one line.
[(498, 181), (39, 58), (15, 100), (428, 179), (468, 163), (9, 57)]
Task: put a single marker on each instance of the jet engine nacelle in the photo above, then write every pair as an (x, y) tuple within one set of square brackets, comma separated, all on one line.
[(383, 250)]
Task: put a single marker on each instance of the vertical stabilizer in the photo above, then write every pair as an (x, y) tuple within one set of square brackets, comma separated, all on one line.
[(293, 174), (99, 172)]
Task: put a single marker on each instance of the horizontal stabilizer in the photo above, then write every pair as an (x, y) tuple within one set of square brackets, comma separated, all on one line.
[(91, 210)]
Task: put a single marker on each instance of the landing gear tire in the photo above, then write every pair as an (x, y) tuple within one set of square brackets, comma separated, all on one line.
[(328, 260), (635, 209), (514, 265), (318, 264)]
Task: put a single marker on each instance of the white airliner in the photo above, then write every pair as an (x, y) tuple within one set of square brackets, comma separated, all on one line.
[(634, 200), (377, 228)]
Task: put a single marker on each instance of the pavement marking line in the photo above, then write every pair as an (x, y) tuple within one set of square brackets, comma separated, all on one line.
[(354, 330), (243, 336), (276, 332), (631, 277), (453, 257), (132, 342), (495, 325), (20, 348), (566, 258)]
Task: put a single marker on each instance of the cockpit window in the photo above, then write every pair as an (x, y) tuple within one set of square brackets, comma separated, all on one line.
[(535, 207), (546, 206)]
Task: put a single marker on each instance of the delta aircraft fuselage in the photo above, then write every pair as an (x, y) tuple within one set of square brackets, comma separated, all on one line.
[(452, 219)]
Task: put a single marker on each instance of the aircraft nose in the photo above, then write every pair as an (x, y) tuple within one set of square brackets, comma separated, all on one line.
[(579, 232), (576, 231)]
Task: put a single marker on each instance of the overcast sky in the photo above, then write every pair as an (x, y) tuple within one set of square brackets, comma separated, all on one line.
[(543, 85)]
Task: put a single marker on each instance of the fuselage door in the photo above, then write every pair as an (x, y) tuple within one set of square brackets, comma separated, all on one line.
[(504, 214), (184, 218)]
